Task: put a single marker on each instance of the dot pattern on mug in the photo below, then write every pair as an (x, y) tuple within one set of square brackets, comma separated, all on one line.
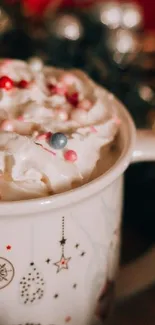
[(31, 324), (6, 272), (32, 286)]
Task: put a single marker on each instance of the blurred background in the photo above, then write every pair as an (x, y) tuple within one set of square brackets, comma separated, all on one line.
[(114, 42)]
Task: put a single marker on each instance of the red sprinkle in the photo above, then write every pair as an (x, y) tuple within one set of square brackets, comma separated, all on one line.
[(8, 247), (70, 155), (23, 84), (68, 319), (92, 128), (6, 83), (43, 136), (20, 118), (73, 99), (53, 153), (59, 90)]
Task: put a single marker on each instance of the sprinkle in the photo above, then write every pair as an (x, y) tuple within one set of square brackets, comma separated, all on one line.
[(8, 247), (20, 118), (23, 84), (92, 128), (6, 83), (58, 140), (70, 155), (7, 126), (39, 144), (73, 99), (44, 136), (50, 151), (58, 89)]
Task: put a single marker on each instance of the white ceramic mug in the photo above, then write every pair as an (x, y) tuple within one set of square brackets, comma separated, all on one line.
[(59, 254)]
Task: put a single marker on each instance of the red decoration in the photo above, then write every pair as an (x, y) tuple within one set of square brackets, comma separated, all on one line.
[(23, 84), (59, 90), (44, 136), (68, 319), (73, 99), (8, 247), (70, 155), (93, 130), (20, 118), (6, 83)]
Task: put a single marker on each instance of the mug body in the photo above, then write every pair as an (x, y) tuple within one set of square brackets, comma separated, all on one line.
[(59, 266)]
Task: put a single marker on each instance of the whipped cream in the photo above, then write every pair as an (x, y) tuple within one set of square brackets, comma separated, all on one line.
[(38, 104)]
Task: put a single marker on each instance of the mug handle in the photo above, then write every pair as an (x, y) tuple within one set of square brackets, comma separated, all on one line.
[(139, 274)]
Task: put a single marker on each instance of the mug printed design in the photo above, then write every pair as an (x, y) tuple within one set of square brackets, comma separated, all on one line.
[(67, 260), (36, 324), (32, 285), (62, 264), (67, 320), (7, 272)]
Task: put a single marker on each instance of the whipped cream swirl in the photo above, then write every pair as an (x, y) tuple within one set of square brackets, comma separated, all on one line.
[(36, 105)]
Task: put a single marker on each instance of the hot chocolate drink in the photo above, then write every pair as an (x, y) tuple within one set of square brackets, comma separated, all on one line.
[(58, 130)]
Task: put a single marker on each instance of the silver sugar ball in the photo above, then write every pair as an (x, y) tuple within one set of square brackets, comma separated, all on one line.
[(36, 64), (66, 26), (108, 13), (58, 140), (132, 16), (5, 21)]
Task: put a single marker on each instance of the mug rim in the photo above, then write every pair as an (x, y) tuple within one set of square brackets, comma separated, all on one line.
[(64, 199)]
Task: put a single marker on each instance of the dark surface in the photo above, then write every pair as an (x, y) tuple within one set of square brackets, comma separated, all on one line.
[(138, 310)]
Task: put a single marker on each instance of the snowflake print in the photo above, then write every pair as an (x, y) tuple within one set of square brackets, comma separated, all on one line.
[(6, 272)]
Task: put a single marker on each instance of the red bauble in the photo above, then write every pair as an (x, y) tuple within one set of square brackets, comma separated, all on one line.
[(6, 83), (70, 155), (73, 99), (23, 84)]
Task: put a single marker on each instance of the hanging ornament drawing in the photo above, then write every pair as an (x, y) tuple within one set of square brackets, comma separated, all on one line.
[(32, 283), (62, 264), (6, 272)]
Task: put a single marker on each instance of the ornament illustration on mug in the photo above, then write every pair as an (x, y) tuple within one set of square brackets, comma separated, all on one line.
[(32, 283), (62, 264)]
